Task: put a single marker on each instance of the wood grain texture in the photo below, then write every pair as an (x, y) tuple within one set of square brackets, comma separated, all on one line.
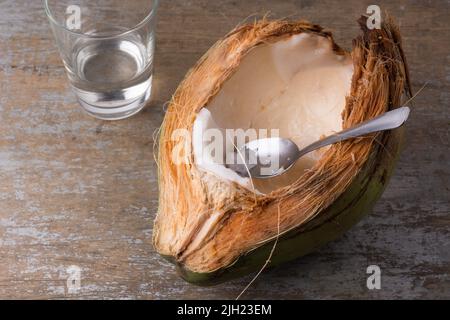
[(79, 191)]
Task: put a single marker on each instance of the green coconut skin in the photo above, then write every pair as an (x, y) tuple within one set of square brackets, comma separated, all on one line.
[(332, 222)]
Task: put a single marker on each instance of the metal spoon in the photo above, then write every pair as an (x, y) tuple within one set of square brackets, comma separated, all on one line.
[(264, 151)]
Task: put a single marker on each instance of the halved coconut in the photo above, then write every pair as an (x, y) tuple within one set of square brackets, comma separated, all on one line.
[(292, 77)]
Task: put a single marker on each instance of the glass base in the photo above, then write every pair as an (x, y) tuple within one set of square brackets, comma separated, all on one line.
[(116, 112)]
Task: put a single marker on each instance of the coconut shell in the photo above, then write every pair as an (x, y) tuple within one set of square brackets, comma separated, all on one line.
[(215, 230)]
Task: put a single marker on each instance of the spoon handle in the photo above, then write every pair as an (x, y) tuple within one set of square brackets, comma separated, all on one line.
[(389, 120)]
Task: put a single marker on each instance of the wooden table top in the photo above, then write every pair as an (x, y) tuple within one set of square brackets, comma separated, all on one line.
[(79, 191)]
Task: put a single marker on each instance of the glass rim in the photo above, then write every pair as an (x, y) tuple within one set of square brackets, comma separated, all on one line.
[(146, 19)]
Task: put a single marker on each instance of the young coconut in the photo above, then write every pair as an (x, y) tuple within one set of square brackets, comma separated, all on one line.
[(283, 75)]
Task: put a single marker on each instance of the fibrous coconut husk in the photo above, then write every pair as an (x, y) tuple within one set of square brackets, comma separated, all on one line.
[(208, 225)]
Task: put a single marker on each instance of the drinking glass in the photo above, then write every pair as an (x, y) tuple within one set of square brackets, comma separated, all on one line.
[(107, 47)]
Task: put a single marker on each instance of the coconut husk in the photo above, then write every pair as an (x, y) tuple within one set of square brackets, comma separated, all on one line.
[(206, 224)]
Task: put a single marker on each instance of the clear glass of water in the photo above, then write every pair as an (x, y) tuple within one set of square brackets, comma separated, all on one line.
[(107, 47)]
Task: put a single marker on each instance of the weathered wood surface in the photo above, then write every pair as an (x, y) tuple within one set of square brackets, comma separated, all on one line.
[(78, 191)]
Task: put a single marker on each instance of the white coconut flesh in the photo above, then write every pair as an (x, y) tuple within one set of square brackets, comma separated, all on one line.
[(297, 85)]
